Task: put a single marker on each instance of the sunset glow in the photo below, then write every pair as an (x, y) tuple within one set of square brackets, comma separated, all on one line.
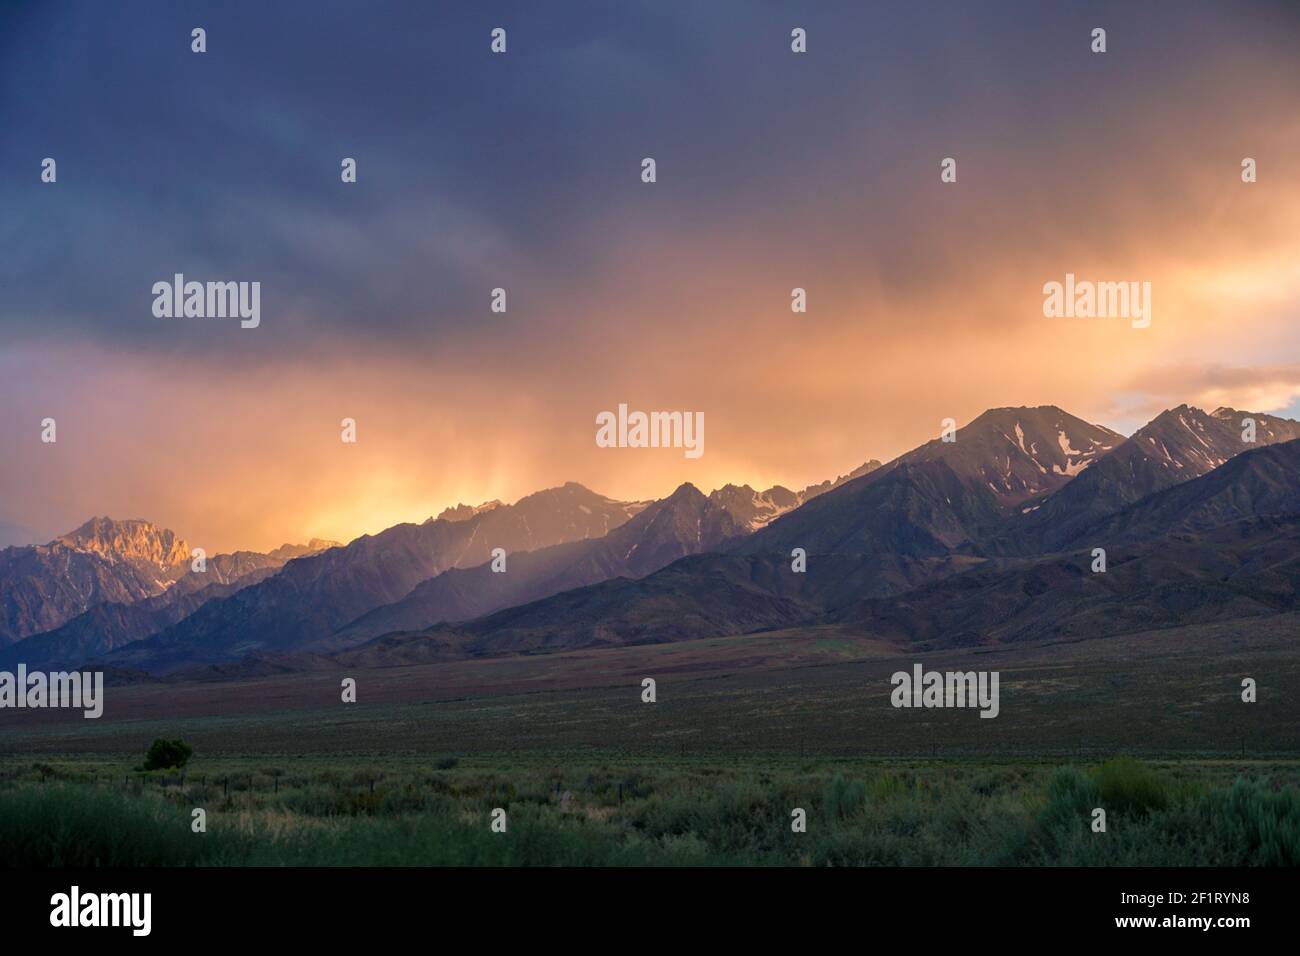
[(925, 302)]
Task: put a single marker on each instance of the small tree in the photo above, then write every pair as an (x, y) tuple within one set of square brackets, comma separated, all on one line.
[(167, 754)]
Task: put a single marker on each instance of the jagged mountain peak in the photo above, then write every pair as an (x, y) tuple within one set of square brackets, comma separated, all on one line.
[(1020, 453), (1012, 422), (685, 492), (754, 509), (463, 512), (133, 540), (570, 498), (688, 512), (1258, 482), (1192, 441), (568, 492), (1272, 427), (1179, 444), (315, 545)]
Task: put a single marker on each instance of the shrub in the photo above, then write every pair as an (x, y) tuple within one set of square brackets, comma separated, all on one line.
[(1262, 826), (167, 754), (1065, 819), (69, 825), (843, 798), (1128, 786)]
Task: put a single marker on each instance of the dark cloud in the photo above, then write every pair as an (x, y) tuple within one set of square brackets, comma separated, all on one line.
[(521, 170)]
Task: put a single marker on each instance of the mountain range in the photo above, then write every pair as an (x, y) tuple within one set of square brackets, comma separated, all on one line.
[(684, 523), (1179, 444), (1223, 545), (110, 624), (112, 562), (978, 536)]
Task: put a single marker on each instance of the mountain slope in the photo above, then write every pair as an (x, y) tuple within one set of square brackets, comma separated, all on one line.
[(1260, 482), (684, 523), (697, 596), (694, 597), (943, 497), (1243, 569), (756, 509), (312, 597), (1020, 453), (151, 550), (913, 510), (1178, 445), (112, 624), (812, 491), (42, 586)]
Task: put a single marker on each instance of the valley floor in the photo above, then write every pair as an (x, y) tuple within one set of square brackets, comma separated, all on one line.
[(818, 691), (745, 730)]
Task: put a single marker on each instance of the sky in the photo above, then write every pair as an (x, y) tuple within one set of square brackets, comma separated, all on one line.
[(522, 171)]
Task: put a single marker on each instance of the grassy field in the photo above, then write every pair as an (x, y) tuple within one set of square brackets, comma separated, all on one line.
[(859, 812), (744, 731)]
